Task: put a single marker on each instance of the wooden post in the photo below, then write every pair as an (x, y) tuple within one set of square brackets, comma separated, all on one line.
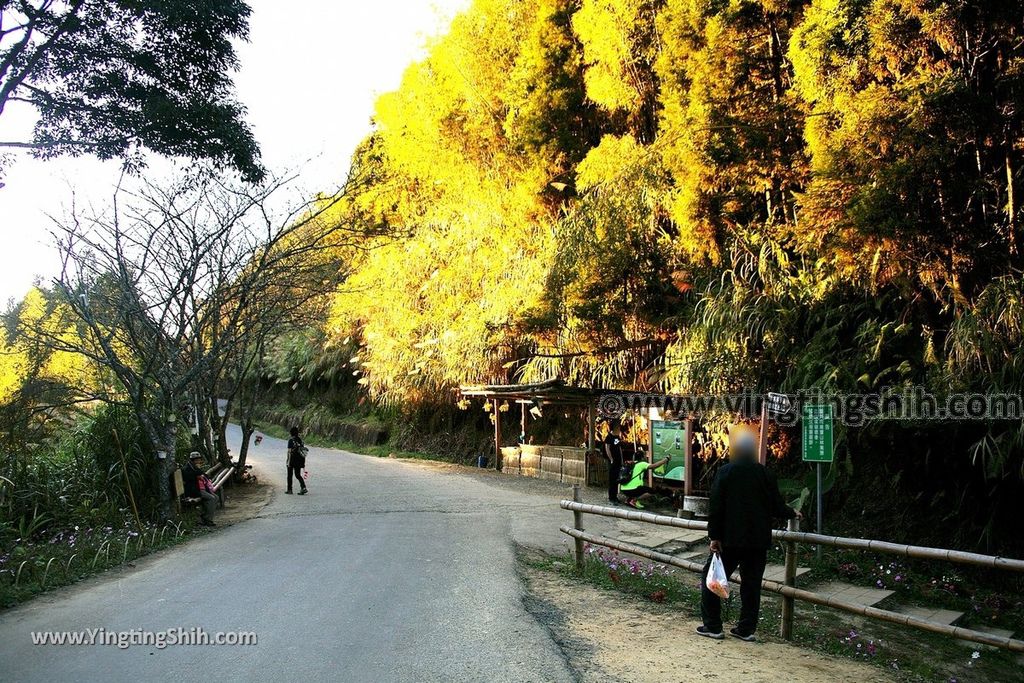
[(688, 459), (522, 425), (591, 440), (577, 522), (650, 457), (497, 437), (762, 446), (820, 512), (788, 601)]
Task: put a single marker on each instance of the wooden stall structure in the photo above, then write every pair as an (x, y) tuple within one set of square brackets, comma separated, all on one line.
[(560, 463), (556, 463), (571, 465)]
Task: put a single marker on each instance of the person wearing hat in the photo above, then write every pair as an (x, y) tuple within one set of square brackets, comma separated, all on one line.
[(745, 497), (198, 485)]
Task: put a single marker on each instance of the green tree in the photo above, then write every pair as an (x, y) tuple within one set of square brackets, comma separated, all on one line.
[(915, 138), (111, 77)]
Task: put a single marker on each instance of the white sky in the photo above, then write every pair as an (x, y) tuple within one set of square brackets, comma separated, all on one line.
[(309, 78)]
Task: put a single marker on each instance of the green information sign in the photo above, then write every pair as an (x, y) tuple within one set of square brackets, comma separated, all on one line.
[(668, 440), (817, 433)]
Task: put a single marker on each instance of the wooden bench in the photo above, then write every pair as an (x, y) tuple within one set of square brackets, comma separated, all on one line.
[(218, 475)]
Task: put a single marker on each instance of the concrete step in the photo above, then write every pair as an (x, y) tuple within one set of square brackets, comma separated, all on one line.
[(664, 539), (773, 572), (933, 614), (857, 595), (777, 572)]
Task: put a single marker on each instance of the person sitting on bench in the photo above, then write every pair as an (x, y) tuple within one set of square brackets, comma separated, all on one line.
[(198, 485), (633, 489)]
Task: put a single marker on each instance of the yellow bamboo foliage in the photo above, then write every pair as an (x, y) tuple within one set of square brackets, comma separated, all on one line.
[(610, 31), (437, 308), (14, 365), (47, 328)]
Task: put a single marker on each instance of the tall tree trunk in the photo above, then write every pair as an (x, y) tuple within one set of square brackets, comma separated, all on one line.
[(166, 444), (243, 449), (203, 427), (247, 400), (222, 430), (1011, 203)]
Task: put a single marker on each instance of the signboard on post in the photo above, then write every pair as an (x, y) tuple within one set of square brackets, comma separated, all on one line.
[(773, 405), (817, 447), (817, 433), (778, 404)]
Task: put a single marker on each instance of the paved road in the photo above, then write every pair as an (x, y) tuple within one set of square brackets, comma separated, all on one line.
[(388, 571)]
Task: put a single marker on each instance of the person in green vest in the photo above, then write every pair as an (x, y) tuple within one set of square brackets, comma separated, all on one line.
[(634, 488)]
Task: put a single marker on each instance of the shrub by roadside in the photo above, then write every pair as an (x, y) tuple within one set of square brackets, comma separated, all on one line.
[(39, 562)]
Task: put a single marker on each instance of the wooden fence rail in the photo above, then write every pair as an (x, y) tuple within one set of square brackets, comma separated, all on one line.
[(914, 551), (787, 590)]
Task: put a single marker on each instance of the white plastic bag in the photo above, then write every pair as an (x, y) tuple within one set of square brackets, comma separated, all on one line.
[(716, 580)]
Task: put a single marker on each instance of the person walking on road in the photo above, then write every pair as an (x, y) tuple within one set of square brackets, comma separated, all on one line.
[(613, 453), (745, 497), (296, 461)]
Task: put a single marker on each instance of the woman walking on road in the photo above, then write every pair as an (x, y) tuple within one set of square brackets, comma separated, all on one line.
[(296, 460)]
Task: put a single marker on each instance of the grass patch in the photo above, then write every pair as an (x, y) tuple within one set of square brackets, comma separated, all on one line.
[(62, 557), (379, 451)]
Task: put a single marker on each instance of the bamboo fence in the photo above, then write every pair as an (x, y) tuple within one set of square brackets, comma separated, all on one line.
[(791, 538)]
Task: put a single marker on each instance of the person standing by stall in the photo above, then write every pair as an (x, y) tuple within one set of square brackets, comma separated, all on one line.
[(613, 453)]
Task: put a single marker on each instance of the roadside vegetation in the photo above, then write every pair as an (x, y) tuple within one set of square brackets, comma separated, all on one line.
[(34, 562)]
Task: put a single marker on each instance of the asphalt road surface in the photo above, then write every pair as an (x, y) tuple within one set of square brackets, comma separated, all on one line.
[(387, 571)]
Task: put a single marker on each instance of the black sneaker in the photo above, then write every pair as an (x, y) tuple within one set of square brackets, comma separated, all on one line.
[(303, 492), (749, 637), (289, 492), (703, 631)]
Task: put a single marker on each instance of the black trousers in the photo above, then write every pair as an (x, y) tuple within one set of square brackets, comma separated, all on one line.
[(633, 494), (298, 475), (210, 502), (751, 562), (613, 482)]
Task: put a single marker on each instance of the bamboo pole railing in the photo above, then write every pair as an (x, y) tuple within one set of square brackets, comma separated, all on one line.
[(790, 592), (222, 477), (913, 551)]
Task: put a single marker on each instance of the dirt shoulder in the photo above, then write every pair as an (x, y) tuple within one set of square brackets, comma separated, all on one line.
[(246, 501), (611, 637)]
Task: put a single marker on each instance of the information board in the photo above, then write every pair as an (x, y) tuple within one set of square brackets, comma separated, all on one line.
[(668, 440), (817, 433)]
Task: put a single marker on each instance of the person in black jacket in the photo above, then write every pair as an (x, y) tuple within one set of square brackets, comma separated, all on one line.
[(613, 453), (745, 498), (296, 461)]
